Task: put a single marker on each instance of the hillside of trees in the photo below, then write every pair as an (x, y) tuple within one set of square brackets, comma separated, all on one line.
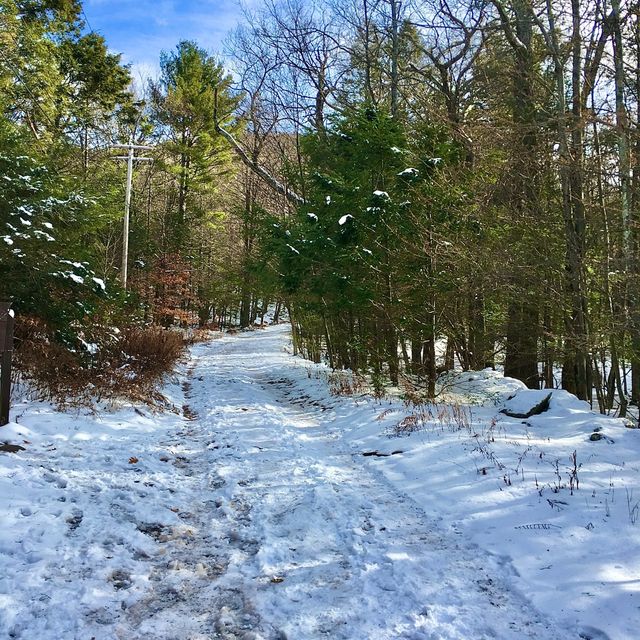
[(418, 184)]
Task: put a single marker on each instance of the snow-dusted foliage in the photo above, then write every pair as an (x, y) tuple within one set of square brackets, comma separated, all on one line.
[(41, 218)]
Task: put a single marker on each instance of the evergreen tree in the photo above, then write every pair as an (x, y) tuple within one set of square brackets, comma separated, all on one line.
[(44, 265), (192, 97), (358, 265)]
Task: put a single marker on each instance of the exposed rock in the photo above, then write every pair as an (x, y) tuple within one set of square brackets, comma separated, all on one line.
[(11, 448), (540, 406)]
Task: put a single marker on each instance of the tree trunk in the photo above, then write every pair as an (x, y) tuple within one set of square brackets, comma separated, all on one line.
[(395, 52), (624, 175), (521, 358), (521, 361), (634, 293), (417, 368), (577, 362), (479, 357), (245, 308), (450, 355), (276, 312)]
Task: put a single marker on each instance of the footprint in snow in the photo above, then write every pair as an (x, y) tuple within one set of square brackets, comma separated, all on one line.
[(53, 478), (75, 519), (120, 580)]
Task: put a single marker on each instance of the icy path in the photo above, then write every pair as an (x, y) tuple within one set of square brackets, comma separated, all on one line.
[(250, 519)]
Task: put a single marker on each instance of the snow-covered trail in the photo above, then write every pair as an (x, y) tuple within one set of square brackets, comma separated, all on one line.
[(320, 544), (249, 517)]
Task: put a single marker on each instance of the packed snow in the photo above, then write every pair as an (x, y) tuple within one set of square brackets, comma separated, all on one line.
[(280, 501)]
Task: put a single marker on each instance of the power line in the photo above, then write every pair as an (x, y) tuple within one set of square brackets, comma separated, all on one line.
[(86, 19)]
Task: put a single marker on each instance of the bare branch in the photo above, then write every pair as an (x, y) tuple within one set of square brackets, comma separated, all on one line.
[(260, 171), (509, 33)]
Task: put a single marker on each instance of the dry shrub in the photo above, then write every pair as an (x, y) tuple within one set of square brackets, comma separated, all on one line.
[(150, 352), (127, 365), (343, 383), (203, 334), (412, 396), (452, 417), (52, 370), (409, 424), (415, 392)]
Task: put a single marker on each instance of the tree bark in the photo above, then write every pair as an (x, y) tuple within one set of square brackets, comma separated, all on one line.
[(521, 358)]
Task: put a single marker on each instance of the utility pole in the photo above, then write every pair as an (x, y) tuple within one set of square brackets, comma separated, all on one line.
[(130, 157)]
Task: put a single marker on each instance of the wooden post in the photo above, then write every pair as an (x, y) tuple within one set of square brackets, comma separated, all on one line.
[(6, 351)]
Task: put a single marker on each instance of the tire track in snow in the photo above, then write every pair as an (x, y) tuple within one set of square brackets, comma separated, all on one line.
[(191, 593)]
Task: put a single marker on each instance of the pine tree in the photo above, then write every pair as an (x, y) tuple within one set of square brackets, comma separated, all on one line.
[(192, 97)]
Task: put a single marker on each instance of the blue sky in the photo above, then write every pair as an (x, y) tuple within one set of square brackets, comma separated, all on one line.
[(140, 29)]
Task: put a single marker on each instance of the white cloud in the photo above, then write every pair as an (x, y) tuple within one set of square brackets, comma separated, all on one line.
[(141, 30)]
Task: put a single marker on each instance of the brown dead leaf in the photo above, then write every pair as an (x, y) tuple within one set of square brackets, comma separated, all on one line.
[(133, 460), (277, 579)]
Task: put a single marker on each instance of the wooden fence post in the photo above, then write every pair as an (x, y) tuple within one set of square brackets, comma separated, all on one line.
[(6, 351)]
